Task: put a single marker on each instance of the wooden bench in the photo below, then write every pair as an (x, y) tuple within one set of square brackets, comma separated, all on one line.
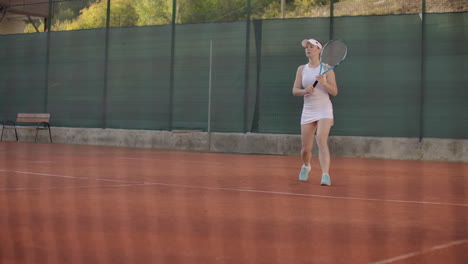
[(41, 122)]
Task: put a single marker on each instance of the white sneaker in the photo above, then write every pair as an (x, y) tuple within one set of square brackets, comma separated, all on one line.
[(325, 179), (304, 174)]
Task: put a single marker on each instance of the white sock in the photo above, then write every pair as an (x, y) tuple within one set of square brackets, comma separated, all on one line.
[(307, 167)]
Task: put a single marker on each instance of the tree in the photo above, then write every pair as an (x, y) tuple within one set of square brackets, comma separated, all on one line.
[(192, 11), (86, 14), (123, 14), (69, 10), (153, 12)]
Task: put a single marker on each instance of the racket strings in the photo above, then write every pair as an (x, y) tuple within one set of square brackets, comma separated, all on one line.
[(334, 53)]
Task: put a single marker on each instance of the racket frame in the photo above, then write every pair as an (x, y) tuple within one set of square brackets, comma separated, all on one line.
[(332, 67)]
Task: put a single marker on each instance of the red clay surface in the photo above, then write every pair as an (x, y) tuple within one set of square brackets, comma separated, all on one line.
[(88, 204)]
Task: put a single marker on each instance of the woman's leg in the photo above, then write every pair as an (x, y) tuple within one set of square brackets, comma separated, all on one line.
[(307, 136), (323, 130)]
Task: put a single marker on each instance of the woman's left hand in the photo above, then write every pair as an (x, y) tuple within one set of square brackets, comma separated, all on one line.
[(322, 79)]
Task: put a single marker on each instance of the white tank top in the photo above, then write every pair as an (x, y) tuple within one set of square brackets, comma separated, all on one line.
[(309, 76)]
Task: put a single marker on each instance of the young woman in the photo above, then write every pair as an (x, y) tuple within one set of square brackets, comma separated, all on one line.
[(317, 113)]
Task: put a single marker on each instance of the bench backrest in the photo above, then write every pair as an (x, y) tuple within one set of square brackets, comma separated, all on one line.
[(24, 117)]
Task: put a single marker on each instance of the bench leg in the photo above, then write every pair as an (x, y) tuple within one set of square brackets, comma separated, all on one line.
[(16, 133), (37, 131)]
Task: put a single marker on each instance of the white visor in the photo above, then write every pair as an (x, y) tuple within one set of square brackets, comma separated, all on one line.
[(311, 41)]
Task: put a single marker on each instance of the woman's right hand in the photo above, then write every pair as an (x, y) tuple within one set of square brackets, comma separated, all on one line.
[(309, 90)]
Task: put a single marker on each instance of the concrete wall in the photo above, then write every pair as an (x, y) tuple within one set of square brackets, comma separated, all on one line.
[(367, 147)]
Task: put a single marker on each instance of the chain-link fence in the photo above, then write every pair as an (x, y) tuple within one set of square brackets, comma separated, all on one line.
[(404, 76)]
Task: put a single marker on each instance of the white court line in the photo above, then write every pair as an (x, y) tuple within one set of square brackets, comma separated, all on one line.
[(303, 194), (186, 161), (72, 187), (422, 252), (69, 177), (208, 162), (239, 190)]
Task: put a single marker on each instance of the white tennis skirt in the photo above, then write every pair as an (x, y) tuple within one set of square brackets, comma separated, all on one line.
[(315, 110)]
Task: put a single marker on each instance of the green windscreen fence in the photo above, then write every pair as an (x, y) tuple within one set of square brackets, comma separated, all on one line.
[(281, 55), (405, 76), (22, 74), (380, 83), (446, 78), (218, 48), (138, 78), (76, 76)]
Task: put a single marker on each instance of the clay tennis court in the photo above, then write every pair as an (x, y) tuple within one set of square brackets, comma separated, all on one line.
[(89, 204)]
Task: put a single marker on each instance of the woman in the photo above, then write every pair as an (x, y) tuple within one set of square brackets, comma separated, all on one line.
[(317, 113)]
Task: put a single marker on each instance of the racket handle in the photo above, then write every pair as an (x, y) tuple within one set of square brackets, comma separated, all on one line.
[(315, 84)]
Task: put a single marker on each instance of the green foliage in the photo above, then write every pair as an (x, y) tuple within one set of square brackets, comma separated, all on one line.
[(123, 14), (190, 11), (85, 14), (69, 10), (153, 12), (273, 10), (93, 16), (64, 14)]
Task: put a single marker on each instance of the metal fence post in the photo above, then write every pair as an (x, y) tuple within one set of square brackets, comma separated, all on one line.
[(331, 19), (171, 78), (247, 60), (106, 62), (423, 70), (46, 82)]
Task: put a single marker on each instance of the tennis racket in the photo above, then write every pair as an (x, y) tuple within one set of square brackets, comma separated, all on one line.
[(332, 55)]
